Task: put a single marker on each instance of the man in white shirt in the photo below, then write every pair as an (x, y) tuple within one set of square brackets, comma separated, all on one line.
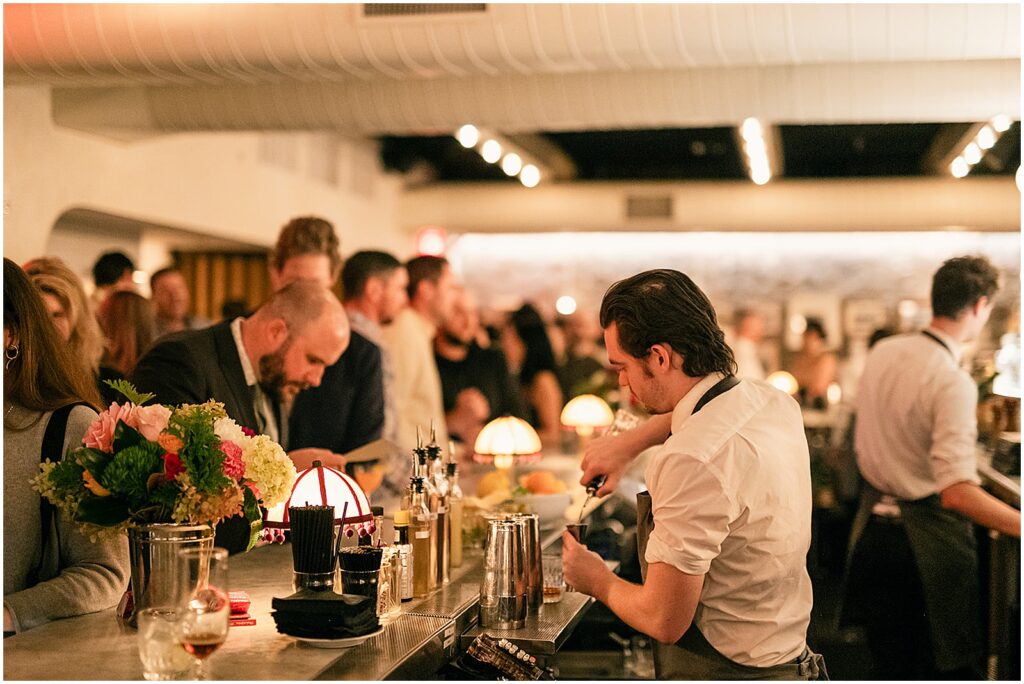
[(725, 530), (410, 342), (913, 576)]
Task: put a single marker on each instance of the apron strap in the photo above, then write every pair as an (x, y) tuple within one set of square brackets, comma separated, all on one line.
[(720, 387)]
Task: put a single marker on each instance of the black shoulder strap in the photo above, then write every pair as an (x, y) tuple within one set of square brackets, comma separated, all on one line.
[(53, 447), (721, 387), (935, 338)]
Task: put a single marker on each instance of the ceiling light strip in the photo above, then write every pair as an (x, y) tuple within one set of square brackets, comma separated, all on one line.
[(975, 147), (496, 149), (752, 139)]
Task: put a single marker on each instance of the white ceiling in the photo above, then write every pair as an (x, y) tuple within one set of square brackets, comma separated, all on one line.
[(514, 67)]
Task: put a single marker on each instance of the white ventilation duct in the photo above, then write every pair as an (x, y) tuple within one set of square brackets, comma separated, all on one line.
[(862, 93), (101, 44), (514, 67)]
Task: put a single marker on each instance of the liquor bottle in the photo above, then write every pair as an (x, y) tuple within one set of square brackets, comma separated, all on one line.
[(423, 526), (439, 484), (405, 555), (455, 501)]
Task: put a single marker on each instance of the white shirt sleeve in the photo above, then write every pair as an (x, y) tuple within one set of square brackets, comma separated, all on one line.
[(692, 512), (954, 433)]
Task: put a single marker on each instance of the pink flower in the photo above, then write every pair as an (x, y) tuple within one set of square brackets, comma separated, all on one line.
[(152, 420), (247, 432), (233, 465), (100, 434), (172, 466)]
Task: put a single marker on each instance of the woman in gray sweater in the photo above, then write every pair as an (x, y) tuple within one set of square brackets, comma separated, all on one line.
[(52, 572)]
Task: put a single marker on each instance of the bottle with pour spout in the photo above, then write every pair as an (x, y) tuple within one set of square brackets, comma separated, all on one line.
[(440, 506), (455, 504)]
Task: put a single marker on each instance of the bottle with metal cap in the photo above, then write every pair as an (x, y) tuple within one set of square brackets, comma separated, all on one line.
[(438, 488), (455, 504), (404, 555)]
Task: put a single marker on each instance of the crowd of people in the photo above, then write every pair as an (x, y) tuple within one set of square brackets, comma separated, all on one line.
[(405, 349)]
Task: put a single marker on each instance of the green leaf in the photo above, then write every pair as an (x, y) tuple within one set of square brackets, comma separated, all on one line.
[(250, 506), (93, 460), (108, 511), (66, 477), (130, 393), (254, 533), (126, 436)]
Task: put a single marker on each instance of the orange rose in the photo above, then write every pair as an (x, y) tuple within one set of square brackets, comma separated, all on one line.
[(169, 442), (92, 485)]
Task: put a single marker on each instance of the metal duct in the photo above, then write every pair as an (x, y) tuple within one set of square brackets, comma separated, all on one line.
[(112, 44), (856, 93)]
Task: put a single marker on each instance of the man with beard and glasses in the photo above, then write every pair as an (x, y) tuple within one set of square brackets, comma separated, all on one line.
[(253, 366), (475, 382)]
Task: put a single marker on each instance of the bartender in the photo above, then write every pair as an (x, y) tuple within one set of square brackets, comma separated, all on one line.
[(913, 575), (725, 528)]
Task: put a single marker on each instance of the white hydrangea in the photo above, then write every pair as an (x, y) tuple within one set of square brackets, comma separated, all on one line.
[(229, 431), (268, 466)]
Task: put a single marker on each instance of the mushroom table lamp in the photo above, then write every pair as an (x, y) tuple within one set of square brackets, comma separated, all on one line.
[(585, 413), (505, 440), (322, 485)]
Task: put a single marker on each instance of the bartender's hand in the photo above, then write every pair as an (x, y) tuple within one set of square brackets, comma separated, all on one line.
[(8, 621), (303, 458), (584, 570), (611, 455)]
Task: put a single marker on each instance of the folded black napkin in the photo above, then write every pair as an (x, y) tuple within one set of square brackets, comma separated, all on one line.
[(324, 615)]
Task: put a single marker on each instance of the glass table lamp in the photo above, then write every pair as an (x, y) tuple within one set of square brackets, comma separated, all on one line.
[(505, 440), (585, 413), (320, 486)]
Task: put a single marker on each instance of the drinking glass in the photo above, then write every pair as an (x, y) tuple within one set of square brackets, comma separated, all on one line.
[(206, 610), (553, 580), (159, 649)]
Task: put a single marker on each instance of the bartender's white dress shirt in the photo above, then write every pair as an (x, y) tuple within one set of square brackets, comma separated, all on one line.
[(731, 497), (916, 421), (416, 383)]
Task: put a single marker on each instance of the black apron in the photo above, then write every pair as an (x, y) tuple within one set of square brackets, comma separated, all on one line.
[(692, 657), (942, 542)]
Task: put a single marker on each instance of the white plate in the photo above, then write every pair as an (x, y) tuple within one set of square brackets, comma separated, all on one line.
[(338, 643)]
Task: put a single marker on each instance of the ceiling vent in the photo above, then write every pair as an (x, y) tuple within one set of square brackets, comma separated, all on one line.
[(647, 207), (420, 9)]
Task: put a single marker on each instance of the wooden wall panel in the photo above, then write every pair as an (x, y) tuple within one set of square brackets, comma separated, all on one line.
[(218, 277)]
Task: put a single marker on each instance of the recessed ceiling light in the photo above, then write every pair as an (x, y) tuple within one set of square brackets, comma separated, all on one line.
[(529, 176), (751, 129), (959, 168), (468, 135), (491, 151), (511, 164), (565, 305), (986, 137), (972, 154)]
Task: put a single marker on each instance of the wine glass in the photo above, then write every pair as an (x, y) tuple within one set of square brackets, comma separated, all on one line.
[(206, 610)]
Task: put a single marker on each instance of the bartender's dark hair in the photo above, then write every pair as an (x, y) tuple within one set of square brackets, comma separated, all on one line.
[(665, 306), (960, 282)]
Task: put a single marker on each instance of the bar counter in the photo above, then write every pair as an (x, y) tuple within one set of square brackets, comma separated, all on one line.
[(413, 646)]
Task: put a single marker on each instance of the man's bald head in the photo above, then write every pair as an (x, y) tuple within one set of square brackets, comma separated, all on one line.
[(303, 329)]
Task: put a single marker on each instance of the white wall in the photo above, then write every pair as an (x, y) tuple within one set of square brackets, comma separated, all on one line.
[(238, 186)]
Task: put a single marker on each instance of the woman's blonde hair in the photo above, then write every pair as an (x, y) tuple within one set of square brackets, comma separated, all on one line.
[(54, 277)]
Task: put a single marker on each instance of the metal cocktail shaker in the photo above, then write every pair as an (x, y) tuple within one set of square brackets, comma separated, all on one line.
[(534, 567), (503, 589)]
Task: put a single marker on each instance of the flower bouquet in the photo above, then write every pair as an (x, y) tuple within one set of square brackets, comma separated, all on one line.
[(156, 464)]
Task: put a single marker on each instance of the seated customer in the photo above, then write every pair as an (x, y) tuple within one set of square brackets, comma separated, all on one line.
[(475, 382), (51, 570), (70, 310), (127, 322), (171, 303), (524, 340), (252, 365)]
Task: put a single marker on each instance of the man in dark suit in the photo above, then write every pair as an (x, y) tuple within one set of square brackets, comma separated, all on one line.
[(347, 410), (251, 365)]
